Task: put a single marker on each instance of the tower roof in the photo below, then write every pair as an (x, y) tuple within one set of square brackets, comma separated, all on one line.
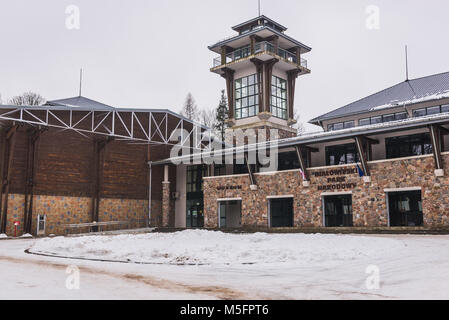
[(257, 20)]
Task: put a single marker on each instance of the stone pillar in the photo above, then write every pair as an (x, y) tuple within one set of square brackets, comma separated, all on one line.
[(166, 199)]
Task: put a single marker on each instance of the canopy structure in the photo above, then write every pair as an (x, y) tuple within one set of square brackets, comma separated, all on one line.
[(88, 117)]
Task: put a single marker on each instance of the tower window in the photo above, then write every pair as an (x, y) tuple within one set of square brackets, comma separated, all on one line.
[(279, 98), (246, 97)]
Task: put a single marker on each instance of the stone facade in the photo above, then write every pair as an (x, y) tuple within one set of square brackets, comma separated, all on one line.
[(61, 211), (369, 199)]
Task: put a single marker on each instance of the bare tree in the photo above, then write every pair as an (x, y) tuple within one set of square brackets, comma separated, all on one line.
[(190, 109), (27, 99), (299, 126), (208, 118)]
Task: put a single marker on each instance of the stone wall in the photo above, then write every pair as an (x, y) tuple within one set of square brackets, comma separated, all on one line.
[(369, 199), (61, 211)]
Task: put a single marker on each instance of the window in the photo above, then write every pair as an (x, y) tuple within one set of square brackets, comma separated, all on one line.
[(343, 154), (383, 119), (349, 124), (376, 120), (279, 98), (289, 160), (401, 116), (388, 118), (407, 146), (430, 111), (246, 97), (364, 122), (433, 110), (419, 113)]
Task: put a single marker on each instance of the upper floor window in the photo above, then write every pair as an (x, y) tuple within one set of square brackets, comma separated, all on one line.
[(279, 98), (342, 154), (430, 111), (384, 118), (341, 125), (246, 97)]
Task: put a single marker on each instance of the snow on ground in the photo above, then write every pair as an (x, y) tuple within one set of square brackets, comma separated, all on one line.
[(200, 247), (283, 266), (3, 236)]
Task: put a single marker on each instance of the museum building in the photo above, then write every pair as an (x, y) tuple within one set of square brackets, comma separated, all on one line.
[(76, 164), (378, 162)]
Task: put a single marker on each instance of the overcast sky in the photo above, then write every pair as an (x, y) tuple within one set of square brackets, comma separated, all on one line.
[(144, 53)]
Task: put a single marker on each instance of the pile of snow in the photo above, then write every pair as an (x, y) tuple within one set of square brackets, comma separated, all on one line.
[(201, 247), (26, 236), (3, 236)]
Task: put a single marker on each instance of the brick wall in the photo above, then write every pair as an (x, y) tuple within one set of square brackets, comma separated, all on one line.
[(369, 199)]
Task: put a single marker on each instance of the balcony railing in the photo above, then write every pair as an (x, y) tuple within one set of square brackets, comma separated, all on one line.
[(260, 47)]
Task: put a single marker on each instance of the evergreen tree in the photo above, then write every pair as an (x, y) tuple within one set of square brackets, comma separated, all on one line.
[(222, 116)]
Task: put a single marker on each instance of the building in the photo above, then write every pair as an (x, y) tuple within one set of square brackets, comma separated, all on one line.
[(77, 161), (379, 162)]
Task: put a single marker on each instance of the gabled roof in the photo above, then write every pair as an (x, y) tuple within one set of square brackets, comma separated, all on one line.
[(80, 102), (280, 26), (428, 88)]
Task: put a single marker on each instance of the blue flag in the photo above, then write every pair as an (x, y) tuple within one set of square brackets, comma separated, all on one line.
[(361, 173)]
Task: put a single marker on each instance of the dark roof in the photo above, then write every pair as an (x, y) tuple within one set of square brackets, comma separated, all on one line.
[(80, 102), (407, 92), (280, 26)]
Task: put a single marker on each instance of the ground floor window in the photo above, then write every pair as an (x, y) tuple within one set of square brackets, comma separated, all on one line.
[(230, 213), (407, 146), (281, 213), (338, 211), (405, 209)]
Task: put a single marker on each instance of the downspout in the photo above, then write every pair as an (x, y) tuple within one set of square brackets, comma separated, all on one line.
[(150, 165)]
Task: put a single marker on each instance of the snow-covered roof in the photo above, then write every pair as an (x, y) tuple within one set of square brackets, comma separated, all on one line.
[(321, 137), (409, 92)]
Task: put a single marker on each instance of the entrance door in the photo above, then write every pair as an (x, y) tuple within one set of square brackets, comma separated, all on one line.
[(230, 214), (281, 213), (338, 211), (405, 209), (195, 216)]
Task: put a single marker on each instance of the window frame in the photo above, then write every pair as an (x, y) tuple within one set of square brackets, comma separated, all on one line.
[(243, 87), (280, 95)]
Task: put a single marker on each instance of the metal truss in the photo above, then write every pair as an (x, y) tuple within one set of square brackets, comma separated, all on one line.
[(159, 127)]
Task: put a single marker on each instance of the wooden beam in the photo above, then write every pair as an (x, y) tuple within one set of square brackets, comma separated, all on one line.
[(302, 163), (435, 138), (259, 72), (33, 137), (443, 130), (10, 146), (99, 147), (250, 171), (370, 140), (311, 149), (362, 156), (229, 76)]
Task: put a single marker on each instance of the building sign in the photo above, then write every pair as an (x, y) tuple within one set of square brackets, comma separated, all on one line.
[(336, 179), (221, 188)]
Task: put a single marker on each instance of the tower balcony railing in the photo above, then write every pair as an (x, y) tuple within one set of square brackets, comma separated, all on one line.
[(264, 46)]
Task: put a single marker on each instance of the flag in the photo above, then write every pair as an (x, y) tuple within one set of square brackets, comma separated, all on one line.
[(361, 172), (303, 174)]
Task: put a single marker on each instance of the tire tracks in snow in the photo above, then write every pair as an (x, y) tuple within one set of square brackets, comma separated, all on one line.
[(164, 284)]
